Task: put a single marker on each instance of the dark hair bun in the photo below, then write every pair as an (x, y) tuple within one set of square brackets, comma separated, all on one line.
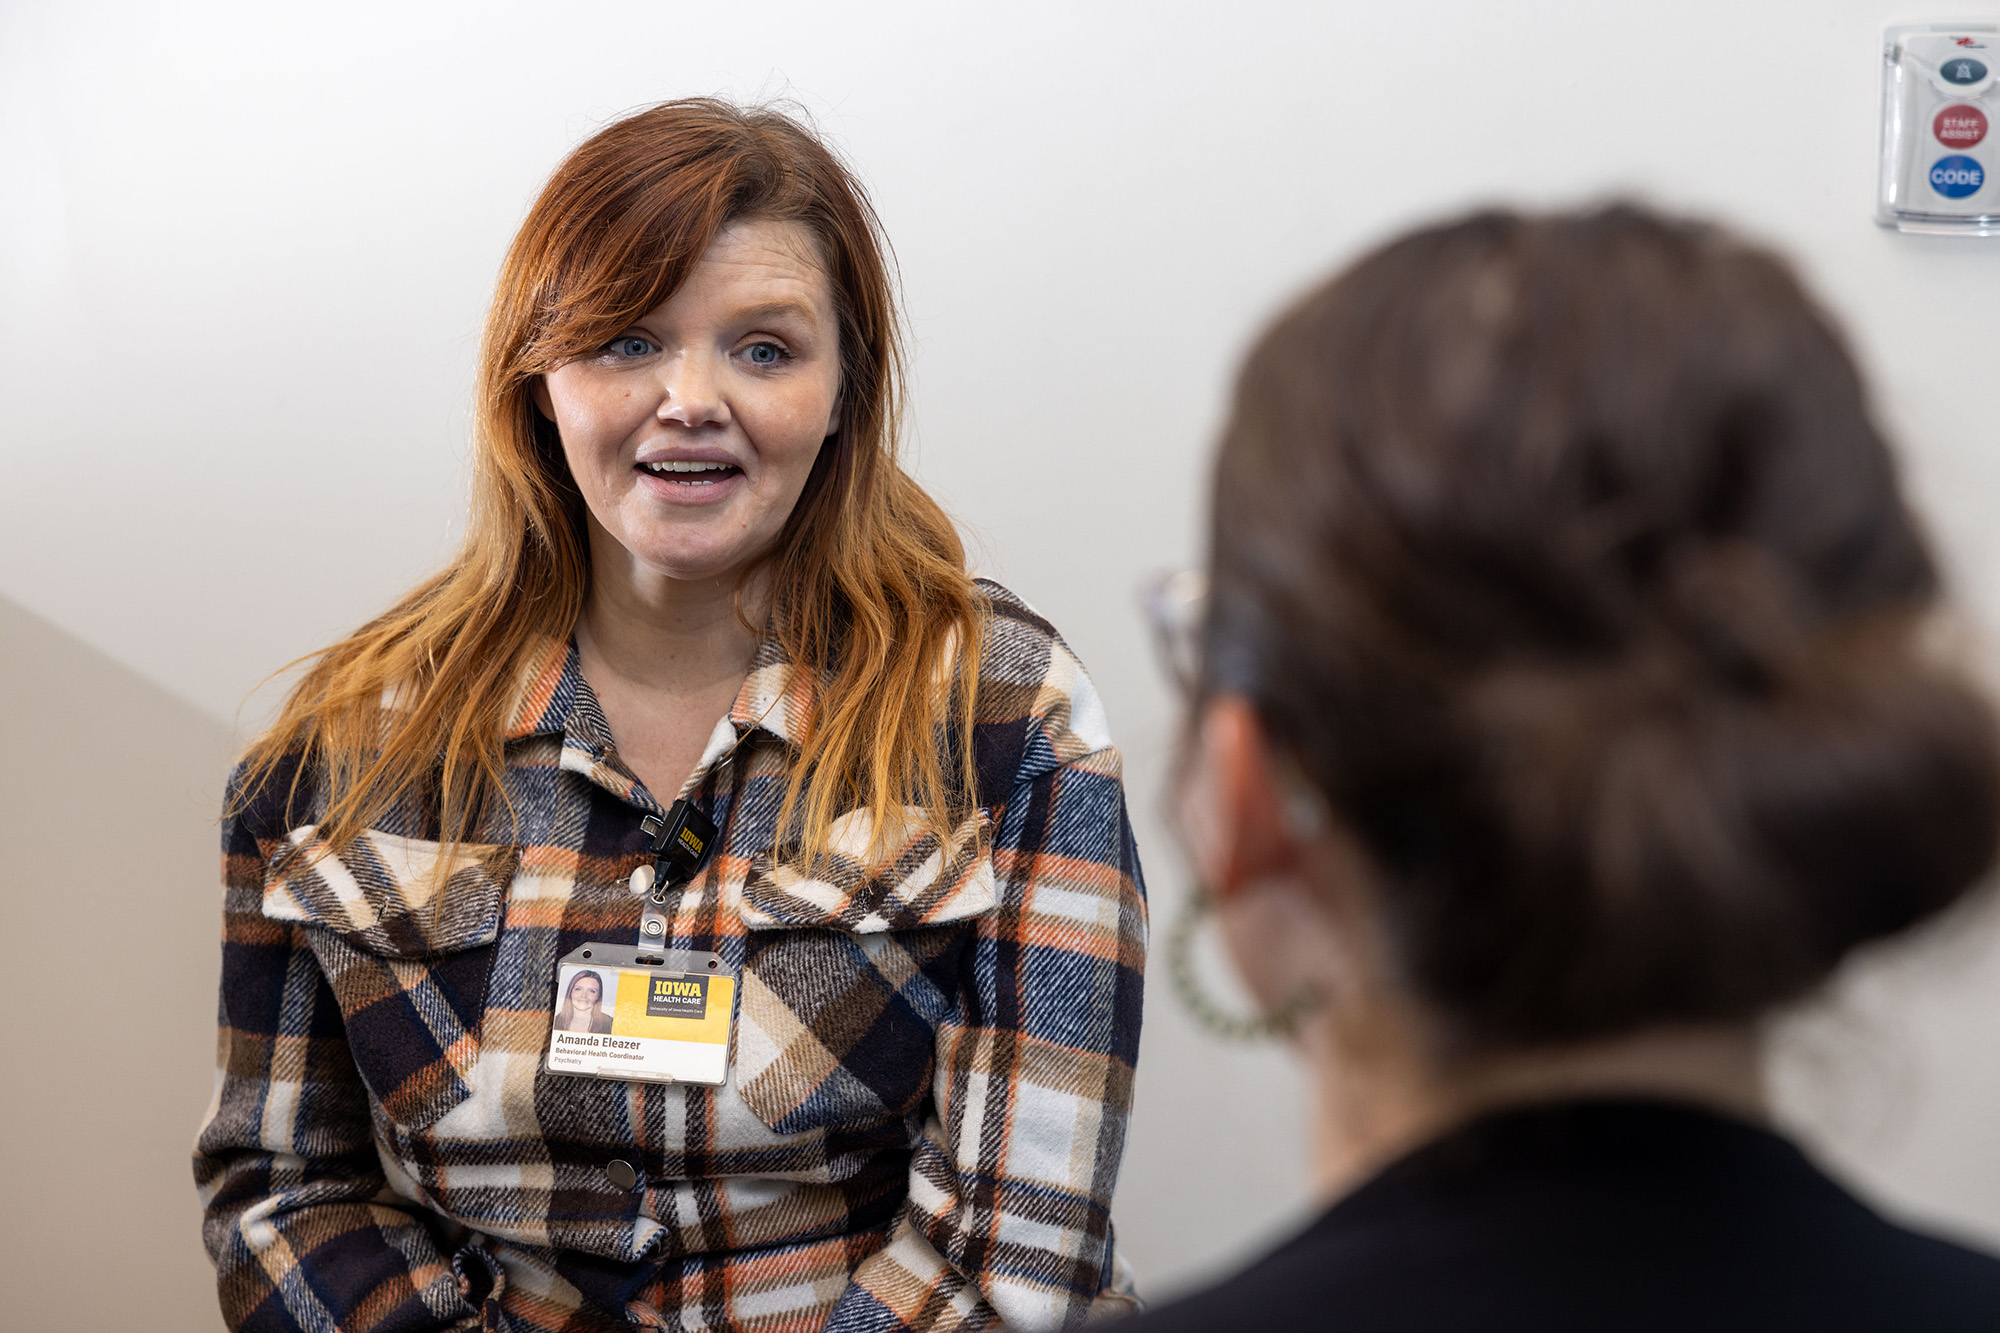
[(1564, 554)]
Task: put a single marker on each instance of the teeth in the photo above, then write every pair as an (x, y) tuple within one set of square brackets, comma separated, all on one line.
[(680, 465)]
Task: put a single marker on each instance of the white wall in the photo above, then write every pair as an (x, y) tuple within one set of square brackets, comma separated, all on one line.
[(244, 250)]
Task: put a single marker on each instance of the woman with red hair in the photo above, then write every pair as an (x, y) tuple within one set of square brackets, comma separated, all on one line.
[(696, 591)]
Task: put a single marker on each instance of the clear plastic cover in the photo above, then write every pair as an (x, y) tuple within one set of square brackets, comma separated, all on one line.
[(1938, 107)]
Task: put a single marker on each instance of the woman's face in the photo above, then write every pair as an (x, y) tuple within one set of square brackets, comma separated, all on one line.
[(692, 433), (583, 993)]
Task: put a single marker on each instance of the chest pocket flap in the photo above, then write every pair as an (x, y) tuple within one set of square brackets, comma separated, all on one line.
[(911, 880), (843, 984), (407, 952), (389, 895)]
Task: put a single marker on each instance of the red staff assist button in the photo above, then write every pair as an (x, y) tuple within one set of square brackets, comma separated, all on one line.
[(1959, 126)]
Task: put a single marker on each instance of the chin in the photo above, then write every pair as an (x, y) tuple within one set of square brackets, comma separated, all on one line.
[(688, 566)]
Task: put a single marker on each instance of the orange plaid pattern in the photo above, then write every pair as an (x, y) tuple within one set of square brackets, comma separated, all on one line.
[(931, 1073)]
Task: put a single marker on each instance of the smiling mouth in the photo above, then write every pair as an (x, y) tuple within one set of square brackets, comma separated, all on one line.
[(688, 473)]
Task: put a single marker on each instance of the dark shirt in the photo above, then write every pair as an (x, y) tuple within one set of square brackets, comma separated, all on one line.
[(1607, 1215)]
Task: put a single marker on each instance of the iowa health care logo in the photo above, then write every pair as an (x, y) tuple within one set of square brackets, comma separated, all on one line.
[(676, 997), (1957, 176)]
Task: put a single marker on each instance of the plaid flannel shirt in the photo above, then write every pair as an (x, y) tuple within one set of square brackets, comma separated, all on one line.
[(932, 1062)]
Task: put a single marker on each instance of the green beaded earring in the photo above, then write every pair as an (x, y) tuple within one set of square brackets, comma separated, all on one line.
[(1210, 1016)]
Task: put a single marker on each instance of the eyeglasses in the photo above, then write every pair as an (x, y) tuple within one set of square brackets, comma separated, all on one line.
[(1176, 606)]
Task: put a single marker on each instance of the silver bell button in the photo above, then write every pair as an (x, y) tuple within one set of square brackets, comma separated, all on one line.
[(642, 881)]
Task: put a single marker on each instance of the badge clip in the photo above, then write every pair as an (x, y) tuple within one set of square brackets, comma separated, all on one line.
[(680, 844)]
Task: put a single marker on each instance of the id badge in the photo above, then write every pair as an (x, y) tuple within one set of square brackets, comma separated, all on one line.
[(642, 1014)]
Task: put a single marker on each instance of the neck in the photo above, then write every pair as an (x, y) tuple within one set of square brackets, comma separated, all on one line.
[(1377, 1100), (674, 636)]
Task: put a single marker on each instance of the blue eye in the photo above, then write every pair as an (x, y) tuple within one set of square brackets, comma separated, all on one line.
[(628, 346), (764, 354)]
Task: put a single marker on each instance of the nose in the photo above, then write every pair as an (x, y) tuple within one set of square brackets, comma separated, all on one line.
[(691, 391)]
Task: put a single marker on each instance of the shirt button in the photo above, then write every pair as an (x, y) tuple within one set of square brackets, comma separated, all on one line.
[(621, 1174)]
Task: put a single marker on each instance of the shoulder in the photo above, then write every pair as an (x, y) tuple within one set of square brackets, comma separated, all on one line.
[(264, 801), (1899, 1278), (1283, 1291), (1037, 708), (1580, 1217), (1941, 1266), (1386, 1278)]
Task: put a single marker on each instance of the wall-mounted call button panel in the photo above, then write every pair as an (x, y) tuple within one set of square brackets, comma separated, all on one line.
[(1938, 103)]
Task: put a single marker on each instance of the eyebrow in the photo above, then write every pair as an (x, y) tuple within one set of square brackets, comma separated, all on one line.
[(777, 309)]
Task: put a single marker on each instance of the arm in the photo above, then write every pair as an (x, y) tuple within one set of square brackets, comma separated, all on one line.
[(299, 1218), (1009, 1213)]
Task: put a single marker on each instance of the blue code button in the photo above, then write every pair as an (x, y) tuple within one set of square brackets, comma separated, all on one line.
[(1957, 176)]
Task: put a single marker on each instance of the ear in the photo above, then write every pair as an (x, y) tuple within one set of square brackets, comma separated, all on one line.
[(543, 403), (1250, 838), (833, 417)]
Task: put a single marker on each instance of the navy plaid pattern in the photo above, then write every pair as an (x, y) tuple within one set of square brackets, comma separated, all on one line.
[(931, 1074)]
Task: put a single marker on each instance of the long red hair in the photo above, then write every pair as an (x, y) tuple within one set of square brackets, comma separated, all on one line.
[(870, 595)]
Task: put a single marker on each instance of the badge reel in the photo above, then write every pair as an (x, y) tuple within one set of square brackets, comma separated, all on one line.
[(640, 1012)]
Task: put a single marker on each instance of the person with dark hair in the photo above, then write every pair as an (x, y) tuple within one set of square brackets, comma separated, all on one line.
[(1562, 705)]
